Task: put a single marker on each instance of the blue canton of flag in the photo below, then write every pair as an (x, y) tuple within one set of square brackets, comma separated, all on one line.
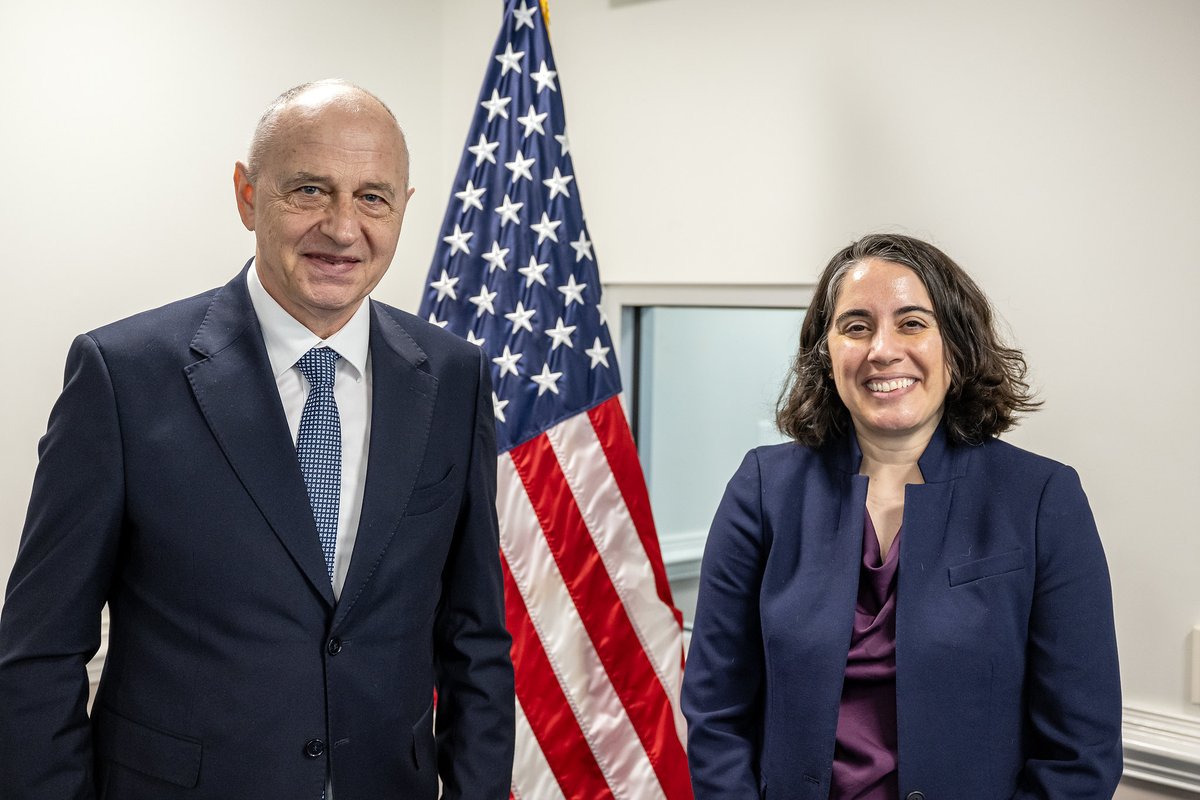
[(515, 271)]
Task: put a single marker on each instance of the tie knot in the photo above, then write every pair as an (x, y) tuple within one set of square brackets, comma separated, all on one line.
[(318, 365)]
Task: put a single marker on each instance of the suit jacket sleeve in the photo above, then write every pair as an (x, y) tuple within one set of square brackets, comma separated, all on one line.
[(722, 685), (476, 705), (1072, 678), (50, 626)]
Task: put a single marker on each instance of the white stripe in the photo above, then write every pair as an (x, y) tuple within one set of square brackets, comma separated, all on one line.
[(532, 778), (582, 459), (596, 705)]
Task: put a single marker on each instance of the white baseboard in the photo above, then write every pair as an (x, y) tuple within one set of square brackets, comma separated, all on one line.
[(1162, 748)]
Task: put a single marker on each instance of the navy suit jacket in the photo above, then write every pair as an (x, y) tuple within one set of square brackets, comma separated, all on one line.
[(168, 487), (1006, 664)]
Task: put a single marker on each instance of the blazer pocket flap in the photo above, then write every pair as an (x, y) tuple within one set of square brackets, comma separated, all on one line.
[(428, 498), (166, 756), (988, 567)]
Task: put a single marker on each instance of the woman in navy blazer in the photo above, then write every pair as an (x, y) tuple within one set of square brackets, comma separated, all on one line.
[(897, 604)]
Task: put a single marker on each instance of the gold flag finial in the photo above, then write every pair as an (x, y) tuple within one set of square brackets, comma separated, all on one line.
[(545, 4)]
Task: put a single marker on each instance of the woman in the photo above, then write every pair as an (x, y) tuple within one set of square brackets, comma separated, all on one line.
[(898, 604)]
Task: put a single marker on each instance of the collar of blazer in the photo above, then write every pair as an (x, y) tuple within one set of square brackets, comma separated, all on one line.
[(942, 460)]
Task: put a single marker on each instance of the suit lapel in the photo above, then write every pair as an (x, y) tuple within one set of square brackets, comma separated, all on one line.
[(237, 394), (402, 400)]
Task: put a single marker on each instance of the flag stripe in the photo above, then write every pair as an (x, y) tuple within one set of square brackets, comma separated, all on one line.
[(578, 667), (558, 735), (532, 777), (603, 615), (604, 510), (612, 430)]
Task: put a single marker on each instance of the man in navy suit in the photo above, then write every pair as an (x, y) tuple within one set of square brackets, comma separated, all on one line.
[(247, 657)]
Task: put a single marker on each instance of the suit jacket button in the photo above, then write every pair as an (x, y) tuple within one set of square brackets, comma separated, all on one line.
[(334, 646), (915, 796), (315, 748)]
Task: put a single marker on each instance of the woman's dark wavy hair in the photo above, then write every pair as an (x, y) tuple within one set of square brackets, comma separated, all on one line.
[(987, 390)]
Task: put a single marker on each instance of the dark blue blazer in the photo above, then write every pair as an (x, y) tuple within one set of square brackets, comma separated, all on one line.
[(1006, 663), (168, 487)]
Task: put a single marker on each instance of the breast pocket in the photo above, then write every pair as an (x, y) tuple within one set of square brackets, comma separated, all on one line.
[(988, 567), (430, 498)]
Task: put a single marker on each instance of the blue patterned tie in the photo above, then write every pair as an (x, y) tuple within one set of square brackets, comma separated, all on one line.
[(319, 446)]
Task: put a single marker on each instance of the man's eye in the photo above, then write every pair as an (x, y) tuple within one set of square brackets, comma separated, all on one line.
[(372, 198), (311, 191)]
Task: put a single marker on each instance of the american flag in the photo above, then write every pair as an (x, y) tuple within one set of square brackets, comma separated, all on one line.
[(597, 642)]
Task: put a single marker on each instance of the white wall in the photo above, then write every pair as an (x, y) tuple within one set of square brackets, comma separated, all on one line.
[(1049, 146)]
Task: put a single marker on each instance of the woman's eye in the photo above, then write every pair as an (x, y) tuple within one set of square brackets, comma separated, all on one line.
[(913, 325)]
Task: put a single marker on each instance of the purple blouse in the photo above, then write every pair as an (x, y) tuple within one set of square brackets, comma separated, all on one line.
[(864, 759)]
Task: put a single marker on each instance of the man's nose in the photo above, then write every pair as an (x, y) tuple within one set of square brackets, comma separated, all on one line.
[(341, 221)]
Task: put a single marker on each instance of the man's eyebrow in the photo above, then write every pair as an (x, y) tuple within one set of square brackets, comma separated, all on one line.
[(307, 177), (380, 187)]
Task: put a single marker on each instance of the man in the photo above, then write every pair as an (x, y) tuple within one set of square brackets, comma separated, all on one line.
[(285, 495)]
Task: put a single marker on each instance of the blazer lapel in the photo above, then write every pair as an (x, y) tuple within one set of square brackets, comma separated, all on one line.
[(237, 394), (403, 394)]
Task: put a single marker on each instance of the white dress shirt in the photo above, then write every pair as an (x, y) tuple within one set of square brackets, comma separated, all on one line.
[(287, 340)]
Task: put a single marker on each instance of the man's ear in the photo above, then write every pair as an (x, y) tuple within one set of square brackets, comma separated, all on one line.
[(244, 190)]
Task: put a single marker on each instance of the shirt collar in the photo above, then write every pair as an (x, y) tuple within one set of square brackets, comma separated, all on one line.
[(287, 339)]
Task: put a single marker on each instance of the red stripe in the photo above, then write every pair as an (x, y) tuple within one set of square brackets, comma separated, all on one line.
[(608, 420), (554, 725), (604, 616)]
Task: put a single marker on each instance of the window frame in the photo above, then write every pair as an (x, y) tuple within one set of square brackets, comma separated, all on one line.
[(620, 303)]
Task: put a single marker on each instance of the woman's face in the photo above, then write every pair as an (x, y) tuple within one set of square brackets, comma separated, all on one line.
[(889, 365)]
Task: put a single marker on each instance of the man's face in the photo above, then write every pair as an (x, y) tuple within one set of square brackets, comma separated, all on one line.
[(326, 209)]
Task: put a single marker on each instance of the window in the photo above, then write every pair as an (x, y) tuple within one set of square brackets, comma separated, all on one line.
[(702, 368)]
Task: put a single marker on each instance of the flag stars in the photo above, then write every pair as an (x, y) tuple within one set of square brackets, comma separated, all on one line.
[(520, 317), (573, 291), (498, 407), (557, 184), (510, 60), (508, 211), (475, 340), (560, 334), (507, 362), (582, 247), (562, 140), (524, 16), (544, 78), (495, 258), (433, 320), (520, 167), (533, 121), (497, 106), (545, 229), (546, 380), (598, 353), (470, 196), (444, 287), (458, 241), (484, 150), (484, 302), (533, 272)]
